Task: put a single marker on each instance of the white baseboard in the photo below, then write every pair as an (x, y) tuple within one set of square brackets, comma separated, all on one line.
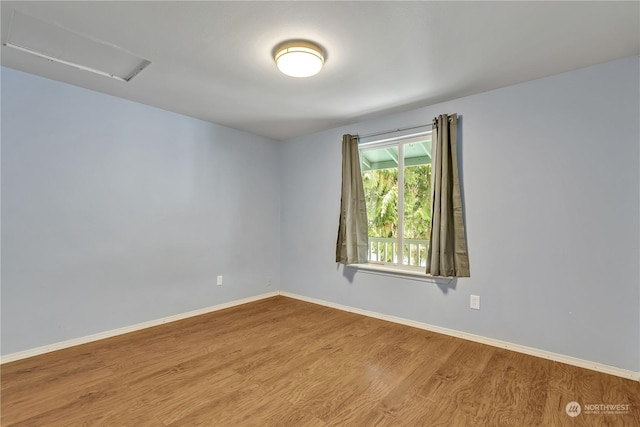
[(108, 334), (556, 357)]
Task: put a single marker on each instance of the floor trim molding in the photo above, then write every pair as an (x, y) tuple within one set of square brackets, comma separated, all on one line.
[(556, 357), (114, 332)]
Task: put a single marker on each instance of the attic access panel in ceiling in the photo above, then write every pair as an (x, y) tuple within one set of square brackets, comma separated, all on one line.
[(57, 44)]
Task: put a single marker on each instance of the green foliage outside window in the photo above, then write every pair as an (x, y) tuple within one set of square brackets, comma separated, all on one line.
[(381, 194), (417, 202)]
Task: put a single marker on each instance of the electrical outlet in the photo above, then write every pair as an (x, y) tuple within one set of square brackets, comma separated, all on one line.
[(269, 283), (474, 302), (219, 280)]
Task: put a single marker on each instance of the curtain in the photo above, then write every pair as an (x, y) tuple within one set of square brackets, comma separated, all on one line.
[(447, 254), (353, 240)]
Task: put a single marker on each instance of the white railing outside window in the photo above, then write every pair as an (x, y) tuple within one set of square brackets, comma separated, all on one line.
[(385, 250)]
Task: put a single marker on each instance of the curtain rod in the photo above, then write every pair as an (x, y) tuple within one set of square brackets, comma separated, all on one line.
[(394, 130)]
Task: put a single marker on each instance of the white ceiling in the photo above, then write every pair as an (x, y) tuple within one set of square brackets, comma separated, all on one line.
[(212, 60)]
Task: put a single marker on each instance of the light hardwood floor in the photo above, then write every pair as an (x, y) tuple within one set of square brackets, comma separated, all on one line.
[(283, 362)]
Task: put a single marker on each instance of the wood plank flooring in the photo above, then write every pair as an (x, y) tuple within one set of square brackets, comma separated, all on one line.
[(283, 362)]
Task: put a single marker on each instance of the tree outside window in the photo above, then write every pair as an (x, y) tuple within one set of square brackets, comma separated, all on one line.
[(397, 182)]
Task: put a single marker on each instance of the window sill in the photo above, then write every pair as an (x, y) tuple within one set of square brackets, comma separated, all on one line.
[(399, 272)]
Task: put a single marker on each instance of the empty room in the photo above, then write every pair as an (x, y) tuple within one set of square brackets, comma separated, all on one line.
[(341, 213)]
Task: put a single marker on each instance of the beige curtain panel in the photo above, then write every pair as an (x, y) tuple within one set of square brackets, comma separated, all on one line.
[(353, 240), (448, 256)]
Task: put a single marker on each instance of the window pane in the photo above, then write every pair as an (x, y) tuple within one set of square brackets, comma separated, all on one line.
[(380, 179), (417, 201)]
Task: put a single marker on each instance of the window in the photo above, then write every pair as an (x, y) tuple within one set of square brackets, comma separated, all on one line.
[(396, 175)]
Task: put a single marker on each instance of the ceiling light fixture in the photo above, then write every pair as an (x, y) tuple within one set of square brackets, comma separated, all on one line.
[(299, 58)]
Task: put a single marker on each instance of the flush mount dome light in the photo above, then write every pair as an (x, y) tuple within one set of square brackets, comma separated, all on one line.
[(299, 59)]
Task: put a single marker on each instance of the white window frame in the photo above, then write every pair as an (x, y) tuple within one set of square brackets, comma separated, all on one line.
[(396, 142)]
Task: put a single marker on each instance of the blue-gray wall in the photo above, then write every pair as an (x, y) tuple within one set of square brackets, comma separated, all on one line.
[(551, 186), (116, 213)]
